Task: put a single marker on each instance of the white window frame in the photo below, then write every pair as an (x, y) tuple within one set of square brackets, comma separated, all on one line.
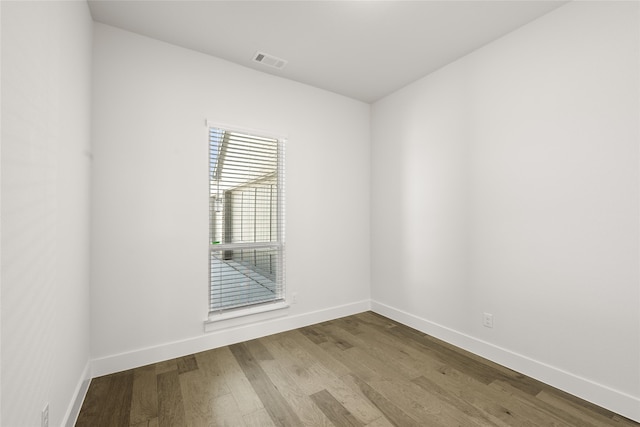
[(266, 310)]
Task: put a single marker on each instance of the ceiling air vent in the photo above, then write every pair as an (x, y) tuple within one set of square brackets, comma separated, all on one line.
[(269, 60)]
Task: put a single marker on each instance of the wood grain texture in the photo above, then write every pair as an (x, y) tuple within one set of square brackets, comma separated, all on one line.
[(278, 408), (187, 364), (337, 414), (144, 402), (361, 370), (110, 404), (237, 383), (170, 402)]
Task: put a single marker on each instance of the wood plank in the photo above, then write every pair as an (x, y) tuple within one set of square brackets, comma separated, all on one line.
[(380, 422), (186, 364), (308, 413), (425, 406), (380, 351), (312, 374), (371, 318), (225, 412), (457, 359), (449, 409), (296, 361), (335, 335), (196, 397), (529, 382), (170, 404), (148, 423), (544, 409), (389, 409), (235, 380), (468, 392), (144, 402), (350, 324), (283, 344), (361, 361), (93, 405), (313, 335), (351, 360), (337, 414), (117, 402), (504, 408), (330, 363), (395, 386), (259, 418), (258, 350), (586, 411), (166, 366), (211, 373), (277, 407), (388, 347), (464, 406)]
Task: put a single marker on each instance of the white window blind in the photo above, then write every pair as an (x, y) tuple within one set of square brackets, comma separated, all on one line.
[(246, 219)]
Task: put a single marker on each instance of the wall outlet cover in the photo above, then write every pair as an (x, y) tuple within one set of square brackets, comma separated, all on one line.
[(487, 320)]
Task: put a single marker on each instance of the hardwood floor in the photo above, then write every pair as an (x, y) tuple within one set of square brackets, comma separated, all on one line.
[(362, 370)]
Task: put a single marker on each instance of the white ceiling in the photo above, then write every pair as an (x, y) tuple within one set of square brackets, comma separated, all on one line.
[(361, 49)]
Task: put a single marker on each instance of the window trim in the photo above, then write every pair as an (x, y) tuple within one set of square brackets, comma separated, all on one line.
[(242, 316), (269, 309)]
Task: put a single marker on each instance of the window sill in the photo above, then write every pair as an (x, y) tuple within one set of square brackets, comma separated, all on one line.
[(244, 316)]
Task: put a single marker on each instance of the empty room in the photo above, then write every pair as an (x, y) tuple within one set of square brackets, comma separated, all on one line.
[(301, 213)]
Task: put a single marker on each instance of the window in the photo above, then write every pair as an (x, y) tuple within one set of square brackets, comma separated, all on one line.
[(246, 220)]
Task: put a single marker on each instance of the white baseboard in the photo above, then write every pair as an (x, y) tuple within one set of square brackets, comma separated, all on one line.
[(613, 400), (220, 338), (71, 416)]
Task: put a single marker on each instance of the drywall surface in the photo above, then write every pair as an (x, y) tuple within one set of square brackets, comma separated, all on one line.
[(507, 183), (46, 66), (150, 193)]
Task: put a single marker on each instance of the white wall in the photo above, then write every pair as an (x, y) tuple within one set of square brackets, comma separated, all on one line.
[(150, 203), (46, 60), (508, 182)]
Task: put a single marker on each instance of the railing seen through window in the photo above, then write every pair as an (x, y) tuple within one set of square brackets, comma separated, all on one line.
[(246, 219)]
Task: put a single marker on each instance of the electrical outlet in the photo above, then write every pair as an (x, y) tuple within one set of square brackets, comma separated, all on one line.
[(487, 320), (294, 298), (45, 416)]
